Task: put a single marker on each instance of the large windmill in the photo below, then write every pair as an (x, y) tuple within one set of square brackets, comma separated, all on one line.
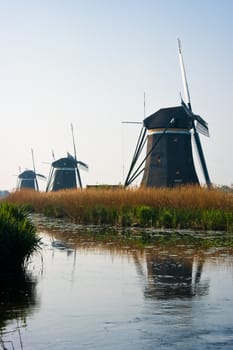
[(65, 172), (27, 179), (168, 134)]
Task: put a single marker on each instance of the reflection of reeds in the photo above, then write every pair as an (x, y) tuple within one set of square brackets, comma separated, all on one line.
[(17, 298), (183, 207)]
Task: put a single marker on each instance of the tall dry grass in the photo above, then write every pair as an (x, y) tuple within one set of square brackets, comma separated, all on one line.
[(183, 197), (183, 207)]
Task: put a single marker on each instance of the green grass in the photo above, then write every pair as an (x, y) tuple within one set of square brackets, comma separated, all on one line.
[(18, 238)]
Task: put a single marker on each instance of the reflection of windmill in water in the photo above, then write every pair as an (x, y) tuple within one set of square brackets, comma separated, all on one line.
[(172, 276), (169, 157), (65, 172), (28, 178)]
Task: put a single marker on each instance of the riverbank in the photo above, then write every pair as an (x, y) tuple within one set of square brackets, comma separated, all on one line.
[(78, 235)]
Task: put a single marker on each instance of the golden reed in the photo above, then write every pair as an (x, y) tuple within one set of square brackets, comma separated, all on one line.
[(192, 197)]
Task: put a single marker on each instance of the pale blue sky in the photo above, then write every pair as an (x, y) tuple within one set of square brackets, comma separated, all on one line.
[(89, 62)]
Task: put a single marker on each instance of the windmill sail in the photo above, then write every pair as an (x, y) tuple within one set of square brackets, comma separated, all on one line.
[(34, 168), (183, 73), (200, 124), (82, 165), (75, 157), (202, 129)]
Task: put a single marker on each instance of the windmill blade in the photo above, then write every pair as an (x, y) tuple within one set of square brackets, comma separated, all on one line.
[(201, 157), (202, 129), (75, 156), (33, 161), (183, 74), (201, 124), (53, 155), (34, 169), (200, 120), (41, 176), (137, 152), (70, 156), (74, 146), (79, 162), (83, 165)]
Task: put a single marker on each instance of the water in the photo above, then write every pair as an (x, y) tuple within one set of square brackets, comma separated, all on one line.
[(80, 295)]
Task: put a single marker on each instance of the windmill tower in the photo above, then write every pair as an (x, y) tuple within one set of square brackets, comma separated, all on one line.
[(64, 172), (169, 156), (28, 178)]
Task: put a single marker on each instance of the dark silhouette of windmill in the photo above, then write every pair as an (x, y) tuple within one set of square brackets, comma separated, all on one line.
[(174, 276), (28, 178), (171, 273), (169, 158), (64, 172)]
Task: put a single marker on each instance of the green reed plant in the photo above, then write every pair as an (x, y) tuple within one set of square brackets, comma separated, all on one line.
[(145, 214), (18, 238), (182, 207)]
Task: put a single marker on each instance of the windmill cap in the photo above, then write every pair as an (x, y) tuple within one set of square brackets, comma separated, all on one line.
[(65, 163), (27, 174), (171, 117)]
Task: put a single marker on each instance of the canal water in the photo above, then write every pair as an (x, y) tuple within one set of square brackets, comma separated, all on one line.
[(93, 295)]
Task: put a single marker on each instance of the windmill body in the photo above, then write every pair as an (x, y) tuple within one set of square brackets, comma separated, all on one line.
[(169, 148), (63, 174), (27, 180)]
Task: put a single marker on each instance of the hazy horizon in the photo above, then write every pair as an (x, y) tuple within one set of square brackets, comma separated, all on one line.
[(89, 62)]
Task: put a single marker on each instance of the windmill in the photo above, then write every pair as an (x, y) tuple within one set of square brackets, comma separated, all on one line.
[(64, 172), (28, 178), (168, 134)]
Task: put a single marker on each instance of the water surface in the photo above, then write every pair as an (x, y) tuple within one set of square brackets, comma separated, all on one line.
[(89, 295)]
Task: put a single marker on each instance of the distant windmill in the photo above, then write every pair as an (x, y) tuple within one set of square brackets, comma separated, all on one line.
[(169, 157), (64, 172), (28, 178)]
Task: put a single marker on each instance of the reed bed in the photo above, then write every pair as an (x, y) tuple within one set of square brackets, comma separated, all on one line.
[(184, 207), (18, 238)]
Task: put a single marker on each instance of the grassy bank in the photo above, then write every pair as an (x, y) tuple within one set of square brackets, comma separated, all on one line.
[(18, 239), (186, 207)]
